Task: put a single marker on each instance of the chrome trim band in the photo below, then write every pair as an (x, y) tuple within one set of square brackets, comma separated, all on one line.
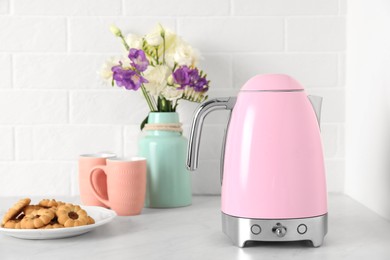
[(240, 230)]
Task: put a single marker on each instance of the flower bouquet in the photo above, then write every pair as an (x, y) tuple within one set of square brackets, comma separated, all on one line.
[(162, 65)]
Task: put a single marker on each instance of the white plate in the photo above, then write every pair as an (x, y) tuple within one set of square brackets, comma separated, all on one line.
[(101, 215)]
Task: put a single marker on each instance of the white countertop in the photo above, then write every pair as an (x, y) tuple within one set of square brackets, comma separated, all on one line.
[(194, 232)]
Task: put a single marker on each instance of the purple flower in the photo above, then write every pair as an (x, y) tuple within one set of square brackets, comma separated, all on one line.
[(201, 85), (181, 77), (127, 78), (193, 76), (138, 59), (186, 77)]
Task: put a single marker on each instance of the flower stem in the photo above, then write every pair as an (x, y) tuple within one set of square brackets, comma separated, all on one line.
[(145, 93), (124, 42), (164, 105), (163, 36), (157, 55)]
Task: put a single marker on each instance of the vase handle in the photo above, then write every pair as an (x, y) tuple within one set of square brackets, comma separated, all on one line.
[(196, 129)]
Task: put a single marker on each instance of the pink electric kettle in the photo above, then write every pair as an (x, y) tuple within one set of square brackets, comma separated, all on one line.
[(272, 169)]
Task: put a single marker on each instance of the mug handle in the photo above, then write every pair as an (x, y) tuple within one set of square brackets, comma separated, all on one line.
[(94, 184)]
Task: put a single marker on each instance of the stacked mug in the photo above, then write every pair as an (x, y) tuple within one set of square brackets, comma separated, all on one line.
[(117, 183)]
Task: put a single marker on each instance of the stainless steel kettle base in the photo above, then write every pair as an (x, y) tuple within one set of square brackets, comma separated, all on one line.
[(241, 230)]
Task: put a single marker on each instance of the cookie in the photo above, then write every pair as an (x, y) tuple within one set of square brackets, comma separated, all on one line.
[(30, 208), (52, 226), (13, 223), (72, 215), (90, 220), (37, 219), (60, 203), (48, 203), (15, 210), (48, 214)]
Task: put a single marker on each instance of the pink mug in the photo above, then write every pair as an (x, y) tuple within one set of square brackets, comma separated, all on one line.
[(126, 184), (86, 163)]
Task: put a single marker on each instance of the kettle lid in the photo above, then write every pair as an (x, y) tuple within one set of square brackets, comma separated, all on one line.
[(271, 82)]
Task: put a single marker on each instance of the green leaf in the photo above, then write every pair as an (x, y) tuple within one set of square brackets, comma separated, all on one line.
[(144, 122), (159, 104)]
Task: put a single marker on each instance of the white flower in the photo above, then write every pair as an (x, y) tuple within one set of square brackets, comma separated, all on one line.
[(154, 38), (125, 60), (170, 80), (115, 30), (134, 41), (180, 52), (157, 77), (185, 54), (172, 93), (106, 72), (170, 40)]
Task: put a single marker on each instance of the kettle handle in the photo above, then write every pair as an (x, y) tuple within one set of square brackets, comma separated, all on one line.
[(196, 129)]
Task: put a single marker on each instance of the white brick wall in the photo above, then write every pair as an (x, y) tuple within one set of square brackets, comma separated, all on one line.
[(54, 107), (67, 7), (61, 71), (37, 178), (176, 8), (90, 34), (4, 7), (107, 106), (29, 34), (312, 70), (65, 142), (316, 34), (5, 71), (20, 107), (7, 144), (285, 8), (234, 34)]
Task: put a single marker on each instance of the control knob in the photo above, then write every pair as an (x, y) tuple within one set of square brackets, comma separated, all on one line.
[(279, 230)]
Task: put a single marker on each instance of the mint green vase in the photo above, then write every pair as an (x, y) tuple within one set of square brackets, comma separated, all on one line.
[(168, 181)]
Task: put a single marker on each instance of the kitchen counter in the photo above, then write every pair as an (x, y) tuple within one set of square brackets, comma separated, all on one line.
[(195, 233)]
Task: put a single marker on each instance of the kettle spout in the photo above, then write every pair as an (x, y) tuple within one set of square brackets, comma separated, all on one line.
[(316, 102), (204, 109)]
